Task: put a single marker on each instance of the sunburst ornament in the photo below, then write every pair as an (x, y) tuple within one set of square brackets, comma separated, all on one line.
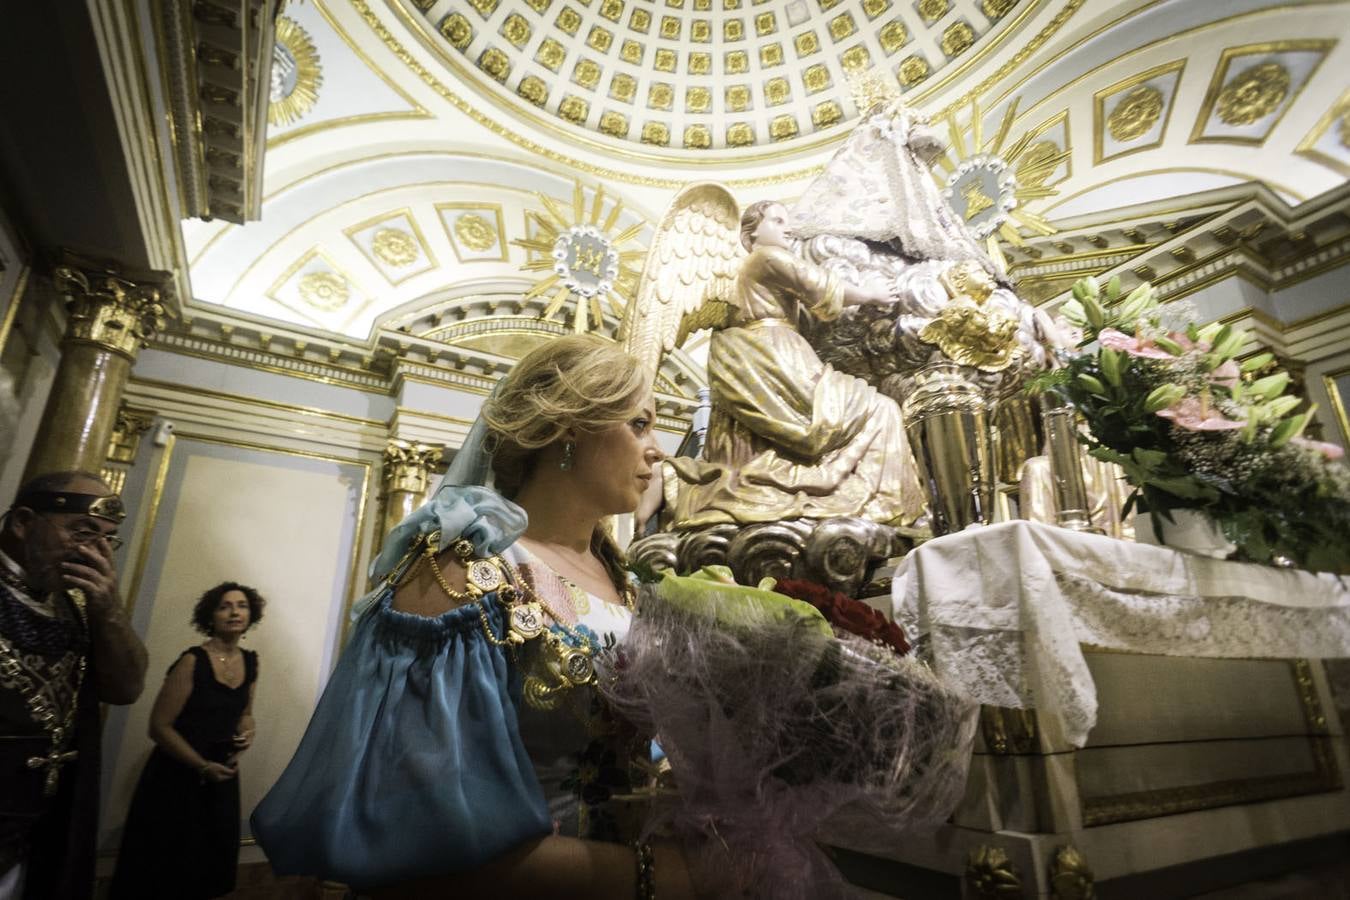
[(988, 187), (584, 257), (296, 74)]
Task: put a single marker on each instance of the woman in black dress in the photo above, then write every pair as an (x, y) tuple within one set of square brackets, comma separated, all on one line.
[(181, 840)]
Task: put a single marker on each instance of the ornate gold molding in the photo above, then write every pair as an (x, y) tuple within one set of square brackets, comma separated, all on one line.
[(1337, 401), (1070, 877), (990, 875), (109, 311), (408, 466), (131, 424), (1136, 114), (1255, 92)]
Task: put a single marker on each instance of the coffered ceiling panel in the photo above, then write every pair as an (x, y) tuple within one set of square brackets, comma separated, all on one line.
[(693, 75)]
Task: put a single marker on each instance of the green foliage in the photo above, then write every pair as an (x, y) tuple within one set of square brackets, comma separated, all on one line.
[(1165, 407)]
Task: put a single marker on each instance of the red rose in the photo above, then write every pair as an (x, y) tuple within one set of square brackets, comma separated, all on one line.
[(842, 611)]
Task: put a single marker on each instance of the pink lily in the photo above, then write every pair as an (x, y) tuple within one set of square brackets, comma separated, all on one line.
[(1226, 374), (1330, 451), (1112, 339), (1194, 414)]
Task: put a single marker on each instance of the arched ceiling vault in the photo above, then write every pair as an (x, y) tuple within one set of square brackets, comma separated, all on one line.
[(412, 140)]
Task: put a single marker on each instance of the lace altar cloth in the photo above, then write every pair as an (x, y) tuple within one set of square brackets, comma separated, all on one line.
[(1000, 612)]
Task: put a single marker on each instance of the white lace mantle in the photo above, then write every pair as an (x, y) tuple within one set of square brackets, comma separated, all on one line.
[(1001, 612)]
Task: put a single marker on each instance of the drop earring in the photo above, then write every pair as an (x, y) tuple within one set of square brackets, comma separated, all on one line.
[(569, 450)]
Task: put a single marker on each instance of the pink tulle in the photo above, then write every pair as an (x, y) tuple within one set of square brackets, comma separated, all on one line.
[(780, 737)]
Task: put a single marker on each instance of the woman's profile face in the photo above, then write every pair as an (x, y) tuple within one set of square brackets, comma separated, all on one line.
[(232, 615), (616, 465)]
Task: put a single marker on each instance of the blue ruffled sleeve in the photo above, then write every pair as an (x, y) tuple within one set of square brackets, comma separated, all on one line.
[(413, 764)]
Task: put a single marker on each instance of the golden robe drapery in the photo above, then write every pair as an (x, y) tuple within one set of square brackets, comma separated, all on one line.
[(790, 437)]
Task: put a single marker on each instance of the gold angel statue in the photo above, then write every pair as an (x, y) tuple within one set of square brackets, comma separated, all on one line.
[(789, 437)]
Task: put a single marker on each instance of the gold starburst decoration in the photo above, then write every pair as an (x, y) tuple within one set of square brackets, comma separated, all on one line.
[(583, 257), (296, 74), (988, 186)]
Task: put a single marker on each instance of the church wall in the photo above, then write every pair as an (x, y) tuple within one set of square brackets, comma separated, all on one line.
[(266, 479), (29, 357), (291, 524)]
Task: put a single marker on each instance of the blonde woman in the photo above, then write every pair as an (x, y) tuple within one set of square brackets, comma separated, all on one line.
[(459, 744)]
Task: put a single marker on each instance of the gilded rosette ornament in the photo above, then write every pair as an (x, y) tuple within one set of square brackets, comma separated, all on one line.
[(1136, 114), (395, 247), (1255, 93), (109, 311), (407, 465)]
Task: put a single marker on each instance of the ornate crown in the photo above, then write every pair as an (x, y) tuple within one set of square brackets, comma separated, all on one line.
[(872, 89)]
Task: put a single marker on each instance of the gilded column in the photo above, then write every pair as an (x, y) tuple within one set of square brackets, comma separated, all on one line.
[(407, 472), (110, 319)]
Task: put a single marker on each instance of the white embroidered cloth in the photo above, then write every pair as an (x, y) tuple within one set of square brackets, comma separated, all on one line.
[(1000, 612)]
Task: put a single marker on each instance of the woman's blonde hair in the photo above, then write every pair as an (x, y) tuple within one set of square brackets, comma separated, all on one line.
[(577, 382)]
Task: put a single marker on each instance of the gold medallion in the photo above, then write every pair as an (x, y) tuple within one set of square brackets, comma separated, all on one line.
[(577, 667), (526, 622), (484, 575)]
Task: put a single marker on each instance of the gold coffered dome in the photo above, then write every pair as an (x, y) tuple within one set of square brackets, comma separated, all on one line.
[(696, 75)]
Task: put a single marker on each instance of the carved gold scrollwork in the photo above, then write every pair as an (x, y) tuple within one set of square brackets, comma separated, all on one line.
[(990, 875), (1070, 877), (408, 465), (109, 311)]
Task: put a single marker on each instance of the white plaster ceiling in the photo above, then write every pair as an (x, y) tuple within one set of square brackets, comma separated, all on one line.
[(404, 122)]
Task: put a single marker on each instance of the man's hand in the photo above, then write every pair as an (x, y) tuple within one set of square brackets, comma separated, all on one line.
[(95, 575), (119, 655)]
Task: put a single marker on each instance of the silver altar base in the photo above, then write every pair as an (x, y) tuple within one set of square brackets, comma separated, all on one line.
[(947, 421), (840, 553)]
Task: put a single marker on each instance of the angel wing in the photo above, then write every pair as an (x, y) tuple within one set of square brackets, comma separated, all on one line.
[(689, 275)]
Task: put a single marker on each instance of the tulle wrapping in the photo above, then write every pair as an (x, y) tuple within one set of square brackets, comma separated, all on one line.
[(780, 735)]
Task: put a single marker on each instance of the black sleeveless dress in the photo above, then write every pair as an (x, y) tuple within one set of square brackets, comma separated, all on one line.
[(181, 840)]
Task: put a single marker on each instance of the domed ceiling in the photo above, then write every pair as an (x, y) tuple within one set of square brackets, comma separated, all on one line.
[(426, 155), (695, 75)]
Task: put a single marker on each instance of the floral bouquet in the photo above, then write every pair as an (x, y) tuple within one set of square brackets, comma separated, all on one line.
[(782, 732), (1195, 427)]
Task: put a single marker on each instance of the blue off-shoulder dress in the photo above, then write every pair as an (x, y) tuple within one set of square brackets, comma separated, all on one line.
[(421, 758)]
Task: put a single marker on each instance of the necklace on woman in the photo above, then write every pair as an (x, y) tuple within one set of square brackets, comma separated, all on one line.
[(568, 665), (218, 654)]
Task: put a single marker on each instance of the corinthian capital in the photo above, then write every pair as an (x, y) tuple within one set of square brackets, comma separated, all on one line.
[(408, 464), (109, 311)]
